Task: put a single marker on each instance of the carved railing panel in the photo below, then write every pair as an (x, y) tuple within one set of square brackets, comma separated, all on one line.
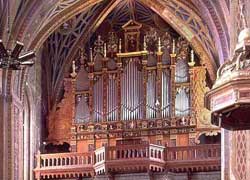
[(124, 156), (64, 165), (192, 153)]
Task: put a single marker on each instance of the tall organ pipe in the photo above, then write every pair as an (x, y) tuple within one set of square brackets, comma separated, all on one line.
[(98, 98), (112, 100), (151, 95), (132, 92), (182, 96), (165, 94)]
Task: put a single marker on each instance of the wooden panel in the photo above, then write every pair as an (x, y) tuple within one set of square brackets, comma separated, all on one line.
[(182, 140)]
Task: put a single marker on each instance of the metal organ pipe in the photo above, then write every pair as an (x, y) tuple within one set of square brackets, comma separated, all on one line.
[(151, 95), (181, 74), (140, 114), (182, 102), (112, 100), (132, 95), (165, 94), (82, 111), (182, 96), (132, 92), (98, 98), (135, 93)]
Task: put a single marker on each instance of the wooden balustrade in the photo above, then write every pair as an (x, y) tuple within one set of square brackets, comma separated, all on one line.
[(138, 156), (193, 158), (64, 165), (64, 159), (128, 152), (193, 152)]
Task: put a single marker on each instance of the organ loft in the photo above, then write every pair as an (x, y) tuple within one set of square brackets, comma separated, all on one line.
[(132, 103)]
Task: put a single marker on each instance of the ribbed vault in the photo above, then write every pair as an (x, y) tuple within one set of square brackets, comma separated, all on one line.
[(34, 21), (181, 17)]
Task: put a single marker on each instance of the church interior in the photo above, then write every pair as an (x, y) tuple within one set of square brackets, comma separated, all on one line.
[(124, 89)]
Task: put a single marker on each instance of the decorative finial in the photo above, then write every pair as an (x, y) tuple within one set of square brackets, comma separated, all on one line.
[(159, 44), (105, 50), (157, 103), (192, 63), (173, 50), (99, 37), (91, 55), (144, 44), (73, 74), (120, 45), (192, 55)]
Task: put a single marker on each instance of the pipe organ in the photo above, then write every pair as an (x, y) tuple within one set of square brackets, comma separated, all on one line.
[(145, 89), (136, 84)]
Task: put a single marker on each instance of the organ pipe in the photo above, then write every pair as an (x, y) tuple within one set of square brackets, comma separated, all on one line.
[(145, 79), (182, 102), (151, 95), (119, 74), (91, 89), (105, 84), (98, 100), (181, 71), (112, 108), (165, 94), (172, 84), (130, 93), (82, 110), (159, 78)]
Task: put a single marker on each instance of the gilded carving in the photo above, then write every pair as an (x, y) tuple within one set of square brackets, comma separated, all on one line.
[(199, 88)]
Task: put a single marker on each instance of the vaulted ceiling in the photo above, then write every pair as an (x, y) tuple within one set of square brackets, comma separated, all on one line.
[(34, 20), (204, 23)]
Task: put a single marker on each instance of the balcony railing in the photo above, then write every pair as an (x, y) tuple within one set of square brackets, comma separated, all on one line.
[(64, 165), (128, 158), (193, 158)]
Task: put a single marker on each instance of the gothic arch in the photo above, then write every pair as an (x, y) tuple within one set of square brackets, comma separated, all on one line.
[(187, 24), (60, 15), (35, 29)]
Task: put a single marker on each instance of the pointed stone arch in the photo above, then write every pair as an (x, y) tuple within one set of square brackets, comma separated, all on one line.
[(163, 8), (185, 24)]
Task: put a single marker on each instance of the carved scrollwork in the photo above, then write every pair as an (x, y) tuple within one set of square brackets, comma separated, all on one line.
[(112, 43), (98, 46), (182, 48), (151, 38)]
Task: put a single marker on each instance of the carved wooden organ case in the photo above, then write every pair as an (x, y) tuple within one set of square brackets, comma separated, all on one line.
[(139, 84)]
